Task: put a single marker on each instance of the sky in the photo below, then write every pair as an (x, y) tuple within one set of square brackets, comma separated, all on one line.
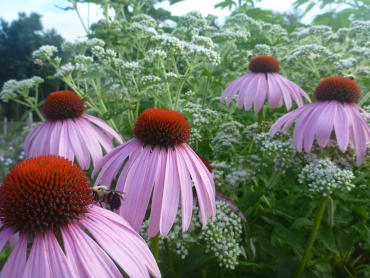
[(68, 24)]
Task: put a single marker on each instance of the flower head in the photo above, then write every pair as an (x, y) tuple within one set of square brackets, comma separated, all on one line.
[(47, 201), (263, 82), (65, 129), (159, 160), (335, 111)]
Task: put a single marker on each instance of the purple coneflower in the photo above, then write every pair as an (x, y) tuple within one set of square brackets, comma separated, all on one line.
[(69, 132), (263, 81), (47, 200), (159, 157), (334, 111)]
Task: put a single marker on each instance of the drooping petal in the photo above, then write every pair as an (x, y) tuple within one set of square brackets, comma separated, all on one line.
[(243, 89), (310, 128), (65, 148), (111, 163), (287, 119), (274, 92), (186, 191), (14, 266), (55, 137), (231, 89), (299, 127), (4, 236), (37, 261), (284, 90), (206, 179), (88, 259), (261, 93), (155, 212), (60, 266), (127, 259), (39, 141), (104, 126), (251, 91), (341, 127), (325, 123), (359, 134), (131, 240), (92, 143), (30, 137), (78, 145), (138, 187), (171, 191)]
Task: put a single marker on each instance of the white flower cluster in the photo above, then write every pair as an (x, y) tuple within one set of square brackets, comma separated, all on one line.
[(65, 70), (93, 42), (98, 52), (200, 51), (147, 79), (230, 34), (239, 175), (282, 153), (192, 21), (156, 54), (140, 29), (223, 236), (345, 64), (312, 51), (145, 20), (262, 49), (228, 135), (45, 52), (324, 177), (12, 88), (131, 66), (82, 59), (203, 41)]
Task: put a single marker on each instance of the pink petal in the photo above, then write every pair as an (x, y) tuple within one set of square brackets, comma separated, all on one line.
[(171, 191), (251, 91), (58, 262), (206, 179), (55, 137), (92, 143), (284, 90), (4, 236), (65, 148), (299, 127), (138, 187), (155, 212), (341, 127), (113, 161), (243, 90), (287, 119), (39, 141), (311, 127), (37, 261), (186, 191), (88, 259), (358, 131), (30, 137), (78, 145), (127, 239), (128, 259), (325, 123), (14, 266), (260, 93), (274, 92), (103, 125), (231, 89)]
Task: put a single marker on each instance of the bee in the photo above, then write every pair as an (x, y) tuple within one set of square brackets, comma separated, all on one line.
[(102, 194), (351, 77), (37, 64)]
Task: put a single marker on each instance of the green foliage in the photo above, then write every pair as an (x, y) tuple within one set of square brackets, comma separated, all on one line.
[(130, 63)]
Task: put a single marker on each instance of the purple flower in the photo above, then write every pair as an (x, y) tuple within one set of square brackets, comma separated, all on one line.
[(47, 201), (335, 111), (69, 132), (158, 159), (263, 82)]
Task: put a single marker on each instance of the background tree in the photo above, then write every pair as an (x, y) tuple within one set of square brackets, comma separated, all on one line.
[(18, 40)]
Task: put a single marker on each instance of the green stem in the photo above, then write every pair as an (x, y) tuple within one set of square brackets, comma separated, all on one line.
[(168, 85), (80, 18), (313, 235), (260, 116), (154, 246)]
